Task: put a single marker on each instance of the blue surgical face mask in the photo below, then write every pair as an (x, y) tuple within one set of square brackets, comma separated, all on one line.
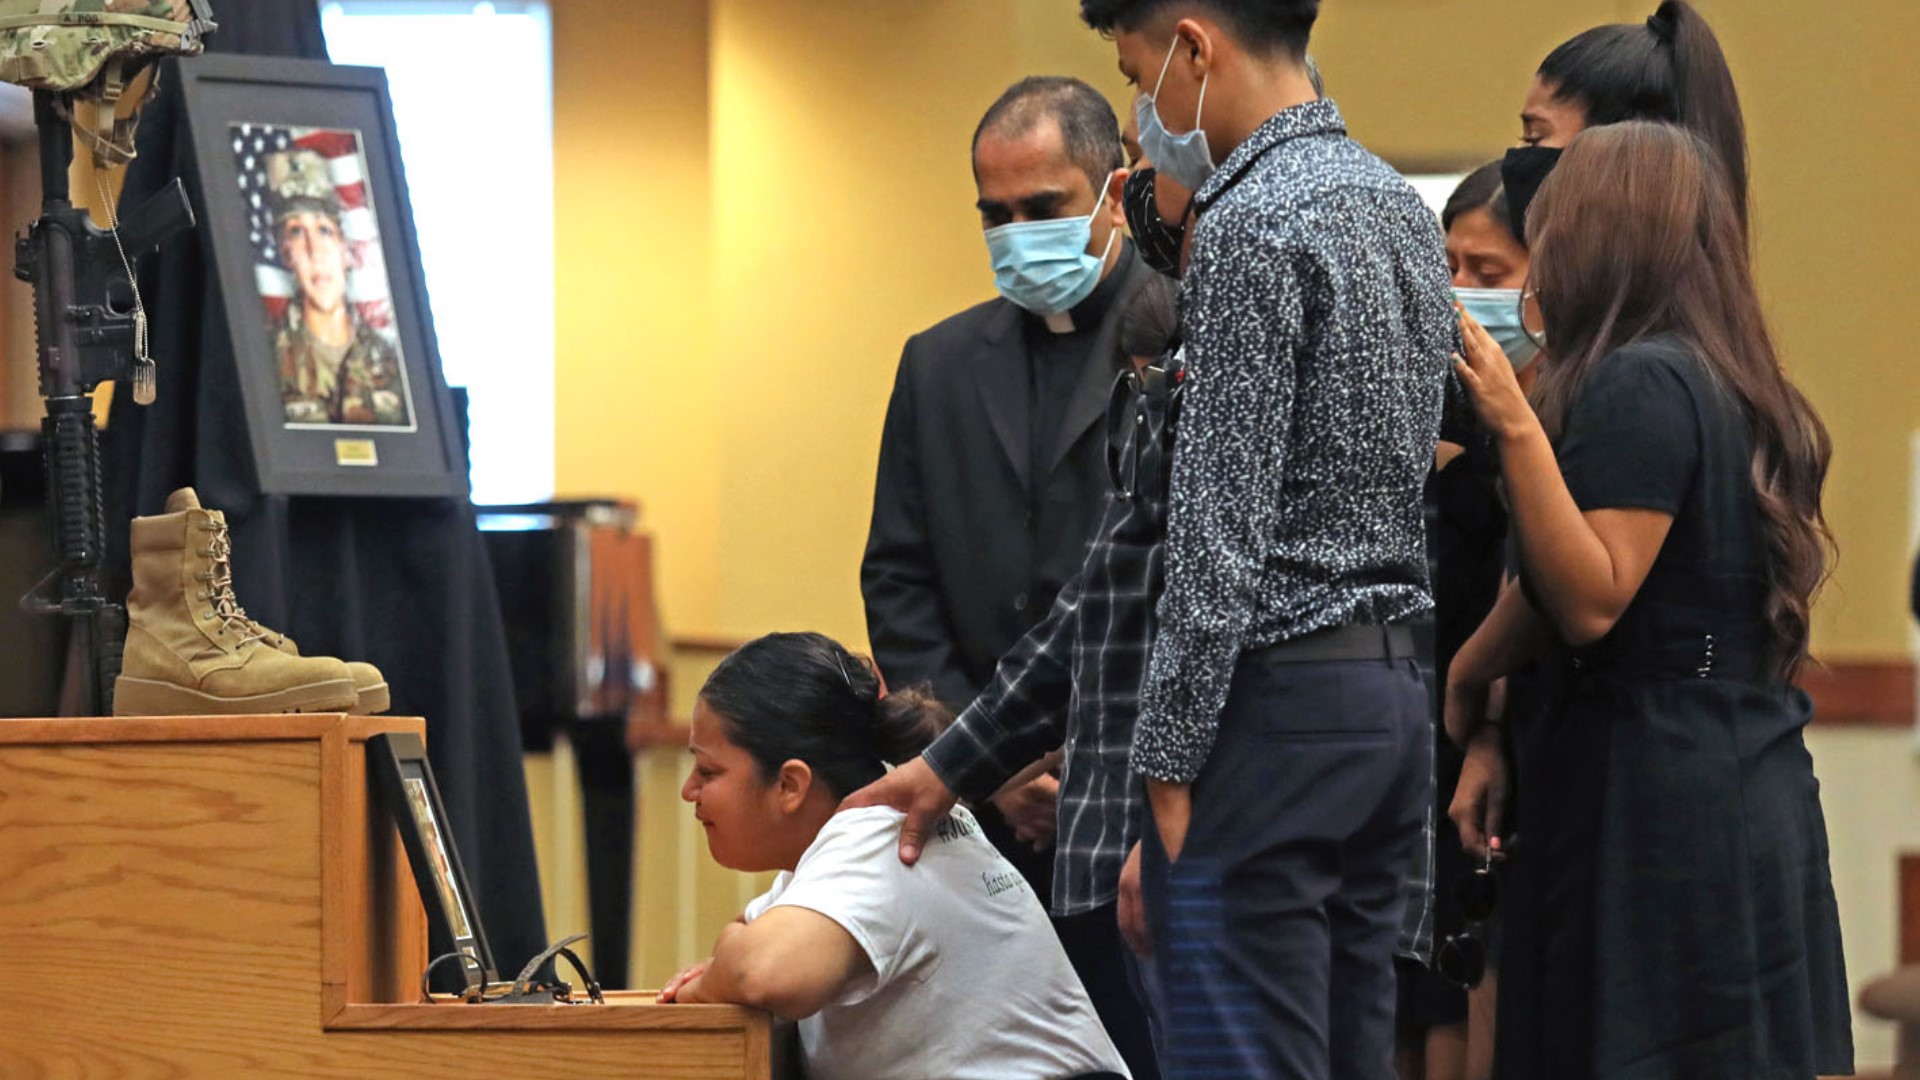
[(1183, 158), (1500, 311), (1044, 266)]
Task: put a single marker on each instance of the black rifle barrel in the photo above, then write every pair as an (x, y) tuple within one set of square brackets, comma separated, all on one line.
[(56, 148), (51, 257)]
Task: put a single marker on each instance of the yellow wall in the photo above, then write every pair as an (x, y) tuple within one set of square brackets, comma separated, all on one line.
[(638, 399), (759, 200), (1833, 102), (1438, 83)]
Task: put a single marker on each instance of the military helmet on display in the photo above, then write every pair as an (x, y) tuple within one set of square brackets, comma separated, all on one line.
[(91, 49), (63, 45), (299, 180)]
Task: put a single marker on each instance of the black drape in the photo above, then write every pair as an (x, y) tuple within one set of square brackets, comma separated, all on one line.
[(402, 583)]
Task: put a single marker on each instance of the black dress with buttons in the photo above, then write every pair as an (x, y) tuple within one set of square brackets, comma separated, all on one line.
[(1668, 907)]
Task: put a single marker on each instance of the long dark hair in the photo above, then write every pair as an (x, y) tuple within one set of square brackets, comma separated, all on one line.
[(1635, 234), (784, 697), (1668, 68)]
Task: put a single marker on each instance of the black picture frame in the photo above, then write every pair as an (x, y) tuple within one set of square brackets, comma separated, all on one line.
[(403, 787), (230, 102)]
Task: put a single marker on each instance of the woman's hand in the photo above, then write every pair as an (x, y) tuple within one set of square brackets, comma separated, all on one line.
[(1480, 800), (677, 987), (1490, 380)]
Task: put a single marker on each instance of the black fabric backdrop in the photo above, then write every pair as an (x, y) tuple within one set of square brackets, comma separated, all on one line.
[(402, 583)]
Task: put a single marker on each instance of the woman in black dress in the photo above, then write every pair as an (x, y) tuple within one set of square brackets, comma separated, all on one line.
[(1669, 911), (1669, 68)]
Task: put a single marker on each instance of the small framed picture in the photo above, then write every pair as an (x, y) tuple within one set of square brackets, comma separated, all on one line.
[(402, 782), (303, 202)]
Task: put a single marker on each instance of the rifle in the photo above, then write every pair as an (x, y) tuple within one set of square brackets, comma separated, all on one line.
[(88, 329)]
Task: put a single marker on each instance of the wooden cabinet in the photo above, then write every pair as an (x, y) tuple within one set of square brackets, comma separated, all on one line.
[(212, 897)]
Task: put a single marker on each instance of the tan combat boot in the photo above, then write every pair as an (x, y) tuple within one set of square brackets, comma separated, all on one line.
[(190, 650), (370, 691), (371, 695)]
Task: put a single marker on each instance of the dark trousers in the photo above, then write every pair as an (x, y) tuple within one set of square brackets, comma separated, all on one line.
[(1099, 955), (1274, 933)]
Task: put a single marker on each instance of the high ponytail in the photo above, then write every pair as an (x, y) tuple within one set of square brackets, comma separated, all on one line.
[(1705, 101), (803, 696), (1669, 68)]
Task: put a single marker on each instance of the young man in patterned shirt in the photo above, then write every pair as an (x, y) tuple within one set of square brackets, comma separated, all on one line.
[(1284, 733)]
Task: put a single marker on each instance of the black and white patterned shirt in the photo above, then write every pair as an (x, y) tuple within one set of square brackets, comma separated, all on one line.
[(1319, 324)]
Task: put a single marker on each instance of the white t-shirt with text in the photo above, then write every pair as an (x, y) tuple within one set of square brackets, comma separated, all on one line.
[(968, 978)]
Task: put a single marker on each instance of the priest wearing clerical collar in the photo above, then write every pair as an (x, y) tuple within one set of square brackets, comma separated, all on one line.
[(993, 470)]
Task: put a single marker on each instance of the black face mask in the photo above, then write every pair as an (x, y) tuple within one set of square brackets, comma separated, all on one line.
[(1157, 240), (1522, 172)]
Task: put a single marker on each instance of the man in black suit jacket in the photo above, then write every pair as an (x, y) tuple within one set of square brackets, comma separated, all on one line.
[(993, 463)]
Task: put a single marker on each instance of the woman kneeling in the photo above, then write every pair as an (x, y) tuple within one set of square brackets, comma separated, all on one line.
[(948, 968)]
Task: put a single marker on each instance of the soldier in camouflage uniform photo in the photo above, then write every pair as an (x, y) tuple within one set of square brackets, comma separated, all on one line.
[(334, 368)]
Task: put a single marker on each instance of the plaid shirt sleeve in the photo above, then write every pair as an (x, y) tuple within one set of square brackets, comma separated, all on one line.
[(1022, 715)]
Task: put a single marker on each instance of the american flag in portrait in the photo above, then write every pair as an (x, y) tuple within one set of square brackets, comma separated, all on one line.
[(347, 170)]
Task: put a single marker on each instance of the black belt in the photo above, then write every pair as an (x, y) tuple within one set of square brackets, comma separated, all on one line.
[(1368, 642)]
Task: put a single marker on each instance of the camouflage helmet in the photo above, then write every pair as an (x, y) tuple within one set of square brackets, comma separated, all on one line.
[(91, 49), (299, 180), (64, 45)]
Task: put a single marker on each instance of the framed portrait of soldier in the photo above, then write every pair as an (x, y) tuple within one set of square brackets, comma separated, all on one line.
[(303, 203), (400, 779)]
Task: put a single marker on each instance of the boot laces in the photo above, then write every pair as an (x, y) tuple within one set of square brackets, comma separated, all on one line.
[(220, 591)]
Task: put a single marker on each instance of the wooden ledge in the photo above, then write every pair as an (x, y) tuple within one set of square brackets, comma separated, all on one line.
[(277, 727), (707, 644), (624, 1011), (1861, 693)]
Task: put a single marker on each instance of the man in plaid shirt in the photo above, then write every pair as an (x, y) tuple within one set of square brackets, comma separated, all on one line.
[(1074, 680)]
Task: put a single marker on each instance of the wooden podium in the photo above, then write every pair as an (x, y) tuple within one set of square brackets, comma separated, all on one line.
[(211, 897)]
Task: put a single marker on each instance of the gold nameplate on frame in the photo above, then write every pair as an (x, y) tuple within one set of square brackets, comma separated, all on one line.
[(355, 452)]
